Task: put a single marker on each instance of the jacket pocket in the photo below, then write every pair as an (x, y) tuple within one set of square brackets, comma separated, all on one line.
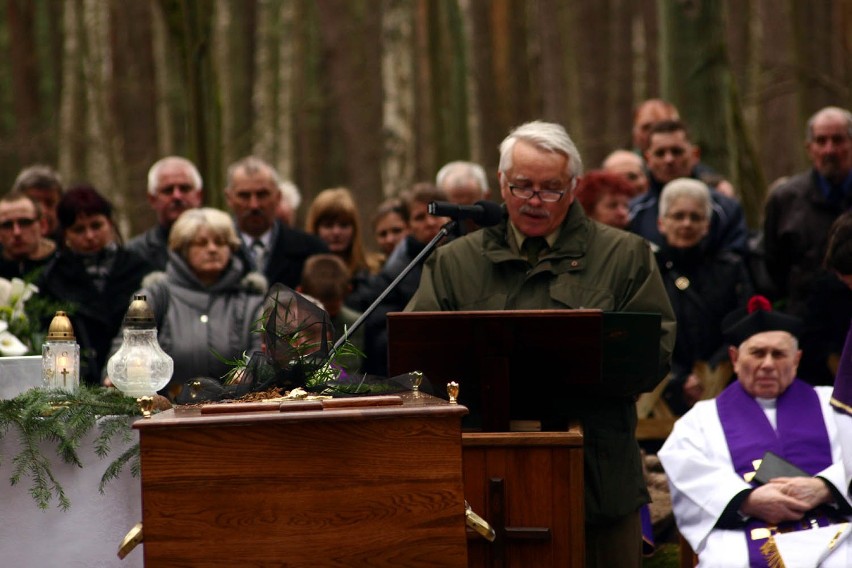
[(571, 294)]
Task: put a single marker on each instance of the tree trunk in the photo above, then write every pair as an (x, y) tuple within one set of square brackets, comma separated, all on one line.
[(696, 74), (164, 81), (398, 95), (351, 40), (72, 143), (104, 163), (133, 98), (223, 60), (25, 74), (189, 22)]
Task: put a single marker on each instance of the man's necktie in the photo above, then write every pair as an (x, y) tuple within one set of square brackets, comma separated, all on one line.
[(258, 250), (533, 247)]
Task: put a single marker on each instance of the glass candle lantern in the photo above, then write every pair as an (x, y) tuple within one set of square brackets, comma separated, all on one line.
[(60, 355), (140, 367)]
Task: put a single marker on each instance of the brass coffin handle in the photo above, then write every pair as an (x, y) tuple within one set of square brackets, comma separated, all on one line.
[(131, 539), (478, 524)]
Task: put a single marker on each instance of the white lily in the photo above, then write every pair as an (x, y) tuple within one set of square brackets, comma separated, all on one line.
[(4, 325), (19, 293), (11, 346)]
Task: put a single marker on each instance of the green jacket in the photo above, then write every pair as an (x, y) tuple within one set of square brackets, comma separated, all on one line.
[(590, 266)]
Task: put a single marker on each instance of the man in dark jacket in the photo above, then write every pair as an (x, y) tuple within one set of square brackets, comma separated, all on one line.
[(279, 252), (670, 155), (174, 185), (546, 254), (800, 211)]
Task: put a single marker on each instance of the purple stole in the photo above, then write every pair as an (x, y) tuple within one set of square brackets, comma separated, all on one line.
[(841, 398), (801, 437)]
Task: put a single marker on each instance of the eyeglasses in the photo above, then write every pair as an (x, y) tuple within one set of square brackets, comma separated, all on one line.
[(23, 223), (204, 242), (682, 215), (546, 195), (169, 190)]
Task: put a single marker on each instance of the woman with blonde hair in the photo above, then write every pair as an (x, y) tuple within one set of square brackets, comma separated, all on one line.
[(206, 307), (335, 219)]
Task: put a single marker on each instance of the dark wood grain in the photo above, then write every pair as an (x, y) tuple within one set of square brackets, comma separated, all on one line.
[(376, 486), (540, 505)]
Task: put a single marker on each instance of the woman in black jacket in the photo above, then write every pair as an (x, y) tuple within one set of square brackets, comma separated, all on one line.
[(92, 274), (703, 287)]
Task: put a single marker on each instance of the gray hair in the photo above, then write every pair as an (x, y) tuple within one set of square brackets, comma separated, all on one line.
[(154, 172), (193, 220), (842, 112), (290, 193), (459, 171), (38, 176), (547, 136), (689, 188), (252, 166)]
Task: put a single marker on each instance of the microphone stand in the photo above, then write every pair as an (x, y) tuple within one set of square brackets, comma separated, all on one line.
[(427, 250)]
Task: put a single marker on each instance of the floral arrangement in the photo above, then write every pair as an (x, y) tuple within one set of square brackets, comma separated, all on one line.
[(18, 325)]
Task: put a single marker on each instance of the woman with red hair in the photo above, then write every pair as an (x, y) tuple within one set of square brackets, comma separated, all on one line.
[(605, 197)]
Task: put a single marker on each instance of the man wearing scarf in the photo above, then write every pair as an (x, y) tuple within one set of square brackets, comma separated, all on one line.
[(733, 512)]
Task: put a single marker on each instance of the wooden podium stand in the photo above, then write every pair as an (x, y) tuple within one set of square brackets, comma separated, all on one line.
[(366, 486), (510, 366)]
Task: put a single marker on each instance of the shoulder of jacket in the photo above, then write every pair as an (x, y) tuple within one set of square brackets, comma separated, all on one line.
[(154, 279)]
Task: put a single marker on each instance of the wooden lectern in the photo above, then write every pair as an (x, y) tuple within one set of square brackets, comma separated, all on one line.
[(511, 366), (359, 486)]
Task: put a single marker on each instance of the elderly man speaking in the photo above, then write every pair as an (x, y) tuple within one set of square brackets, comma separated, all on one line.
[(757, 475)]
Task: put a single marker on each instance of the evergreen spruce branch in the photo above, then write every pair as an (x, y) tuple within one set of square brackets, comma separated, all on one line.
[(63, 419), (131, 455), (110, 428), (32, 463)]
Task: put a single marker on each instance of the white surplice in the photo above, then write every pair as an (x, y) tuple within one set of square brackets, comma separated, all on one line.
[(703, 481)]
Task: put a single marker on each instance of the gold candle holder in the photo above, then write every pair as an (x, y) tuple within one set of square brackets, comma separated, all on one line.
[(146, 405), (453, 391), (416, 381)]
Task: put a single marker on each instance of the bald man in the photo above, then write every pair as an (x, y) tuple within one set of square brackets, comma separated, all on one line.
[(630, 166)]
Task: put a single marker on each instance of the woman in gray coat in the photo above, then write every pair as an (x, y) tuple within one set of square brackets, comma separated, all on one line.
[(205, 306)]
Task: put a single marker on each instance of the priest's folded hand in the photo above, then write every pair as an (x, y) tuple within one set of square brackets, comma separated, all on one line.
[(811, 490), (770, 504)]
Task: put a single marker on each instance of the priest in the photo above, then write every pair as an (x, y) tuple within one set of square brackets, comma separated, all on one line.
[(756, 475)]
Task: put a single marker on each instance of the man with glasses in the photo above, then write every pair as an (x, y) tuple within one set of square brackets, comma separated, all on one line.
[(279, 252), (174, 186), (546, 254), (23, 247), (669, 156)]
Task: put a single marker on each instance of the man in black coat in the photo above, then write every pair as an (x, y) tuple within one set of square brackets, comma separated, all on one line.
[(800, 211), (174, 186), (279, 252)]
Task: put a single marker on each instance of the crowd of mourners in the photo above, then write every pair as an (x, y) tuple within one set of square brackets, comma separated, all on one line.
[(66, 241), (205, 271)]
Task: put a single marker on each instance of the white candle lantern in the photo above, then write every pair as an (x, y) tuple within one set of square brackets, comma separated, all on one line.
[(60, 355), (140, 367)]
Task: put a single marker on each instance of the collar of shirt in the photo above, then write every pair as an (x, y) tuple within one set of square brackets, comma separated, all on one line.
[(834, 192), (265, 238), (519, 237)]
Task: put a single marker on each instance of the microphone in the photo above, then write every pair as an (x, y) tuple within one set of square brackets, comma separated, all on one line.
[(483, 213)]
